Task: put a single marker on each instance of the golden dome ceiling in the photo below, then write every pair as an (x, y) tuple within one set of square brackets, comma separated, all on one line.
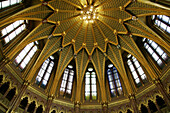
[(73, 37)]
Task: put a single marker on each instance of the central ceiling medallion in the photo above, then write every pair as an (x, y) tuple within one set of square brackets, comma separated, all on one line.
[(88, 14)]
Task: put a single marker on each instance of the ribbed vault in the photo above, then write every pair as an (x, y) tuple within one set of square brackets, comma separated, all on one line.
[(107, 37)]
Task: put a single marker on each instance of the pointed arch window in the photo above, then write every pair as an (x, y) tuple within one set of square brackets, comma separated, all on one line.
[(114, 81), (155, 51), (45, 72), (6, 3), (90, 85), (12, 30), (136, 70), (25, 55), (162, 21), (67, 81)]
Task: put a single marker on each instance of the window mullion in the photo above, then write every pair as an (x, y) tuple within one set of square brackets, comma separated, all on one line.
[(90, 86), (26, 55), (67, 82), (136, 71), (157, 53), (163, 21), (114, 82), (44, 73)]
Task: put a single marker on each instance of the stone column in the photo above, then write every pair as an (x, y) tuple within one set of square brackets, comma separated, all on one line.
[(133, 103), (5, 93), (161, 88), (35, 109), (149, 111), (157, 107), (49, 103), (17, 100), (26, 108), (105, 107), (77, 107), (12, 100)]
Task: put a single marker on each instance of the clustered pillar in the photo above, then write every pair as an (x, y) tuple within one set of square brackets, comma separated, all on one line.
[(105, 107), (49, 103), (133, 103), (77, 107)]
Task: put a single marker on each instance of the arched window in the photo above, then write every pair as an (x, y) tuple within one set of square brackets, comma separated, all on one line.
[(160, 102), (11, 94), (162, 21), (4, 87), (136, 70), (45, 72), (25, 55), (31, 107), (24, 103), (6, 3), (12, 30), (39, 109), (152, 106), (155, 51), (114, 81), (90, 85), (67, 81), (53, 111), (143, 109), (129, 111)]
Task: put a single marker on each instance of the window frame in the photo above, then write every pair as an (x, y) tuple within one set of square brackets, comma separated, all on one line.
[(130, 61), (65, 88), (30, 51), (50, 62), (160, 19), (90, 84), (114, 80), (15, 30), (148, 42), (10, 3)]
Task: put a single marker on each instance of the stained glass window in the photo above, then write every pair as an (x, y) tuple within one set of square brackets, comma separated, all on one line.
[(25, 55), (136, 70), (90, 85), (67, 81), (12, 30), (162, 21), (45, 72), (114, 81), (6, 3), (155, 51)]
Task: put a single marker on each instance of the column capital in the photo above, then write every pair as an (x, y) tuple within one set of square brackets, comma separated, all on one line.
[(105, 106), (77, 103), (104, 103), (77, 106), (131, 96), (156, 80), (51, 97), (26, 83)]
